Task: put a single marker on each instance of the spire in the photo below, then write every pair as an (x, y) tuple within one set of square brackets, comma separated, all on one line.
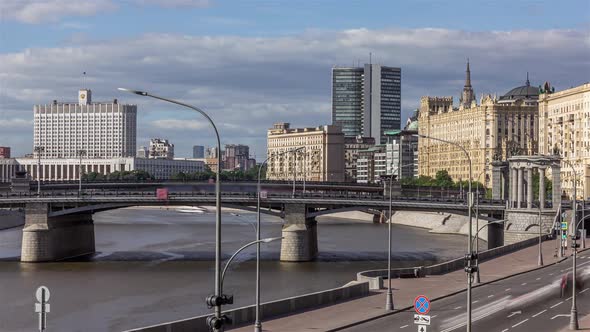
[(468, 75), (528, 83)]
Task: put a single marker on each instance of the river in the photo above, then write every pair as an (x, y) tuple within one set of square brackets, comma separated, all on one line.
[(154, 265)]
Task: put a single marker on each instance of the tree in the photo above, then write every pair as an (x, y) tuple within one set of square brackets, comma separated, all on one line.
[(443, 179)]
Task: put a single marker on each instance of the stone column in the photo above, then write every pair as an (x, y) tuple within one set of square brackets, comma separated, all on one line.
[(514, 186), (542, 188), (496, 182), (529, 190), (556, 179), (519, 188), (299, 242)]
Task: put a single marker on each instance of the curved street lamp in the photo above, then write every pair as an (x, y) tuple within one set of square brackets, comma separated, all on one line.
[(574, 310), (218, 293), (469, 269)]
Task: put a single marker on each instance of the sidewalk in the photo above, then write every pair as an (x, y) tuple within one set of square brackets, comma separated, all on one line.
[(583, 323), (405, 291)]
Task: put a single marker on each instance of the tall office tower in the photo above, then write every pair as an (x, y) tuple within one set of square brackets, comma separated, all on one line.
[(366, 101), (198, 151), (102, 129), (236, 157), (161, 149), (4, 152)]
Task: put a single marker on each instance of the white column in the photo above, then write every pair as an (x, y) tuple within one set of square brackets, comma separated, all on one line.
[(520, 187), (529, 185)]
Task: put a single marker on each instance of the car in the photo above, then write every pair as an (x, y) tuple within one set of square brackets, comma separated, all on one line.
[(566, 284)]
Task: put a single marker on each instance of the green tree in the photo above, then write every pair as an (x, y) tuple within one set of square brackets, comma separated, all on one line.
[(443, 179)]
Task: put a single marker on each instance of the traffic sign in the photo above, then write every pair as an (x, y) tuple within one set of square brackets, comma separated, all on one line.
[(263, 194), (421, 328), (421, 319), (422, 305), (564, 226), (42, 295)]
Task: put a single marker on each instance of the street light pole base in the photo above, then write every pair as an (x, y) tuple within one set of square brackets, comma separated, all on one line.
[(574, 320), (389, 301), (257, 327), (477, 280), (540, 261)]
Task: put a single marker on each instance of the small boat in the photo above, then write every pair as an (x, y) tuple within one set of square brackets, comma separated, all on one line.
[(191, 209)]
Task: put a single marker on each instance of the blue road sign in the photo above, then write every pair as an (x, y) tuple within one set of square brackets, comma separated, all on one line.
[(422, 305)]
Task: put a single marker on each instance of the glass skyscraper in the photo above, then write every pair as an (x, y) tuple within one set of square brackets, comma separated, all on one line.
[(366, 101)]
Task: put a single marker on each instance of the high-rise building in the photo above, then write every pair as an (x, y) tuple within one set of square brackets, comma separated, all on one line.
[(4, 152), (366, 101), (372, 164), (198, 151), (320, 159), (402, 153), (101, 129), (496, 129), (161, 149), (352, 146), (564, 129), (236, 157)]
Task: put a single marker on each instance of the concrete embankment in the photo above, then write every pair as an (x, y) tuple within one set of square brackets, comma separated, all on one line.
[(11, 218)]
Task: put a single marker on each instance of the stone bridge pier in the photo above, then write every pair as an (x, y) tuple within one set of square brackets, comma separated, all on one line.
[(47, 238), (300, 237)]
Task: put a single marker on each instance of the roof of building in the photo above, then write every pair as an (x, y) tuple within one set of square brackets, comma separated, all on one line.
[(522, 92)]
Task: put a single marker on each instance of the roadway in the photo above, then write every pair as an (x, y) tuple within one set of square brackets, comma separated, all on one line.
[(526, 302)]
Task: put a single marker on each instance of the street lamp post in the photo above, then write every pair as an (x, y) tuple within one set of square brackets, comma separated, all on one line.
[(477, 279), (39, 150), (389, 297), (574, 310), (257, 323), (217, 300), (469, 257), (80, 154)]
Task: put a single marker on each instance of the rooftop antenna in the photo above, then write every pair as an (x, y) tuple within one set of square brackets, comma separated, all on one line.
[(84, 80), (528, 83), (370, 58)]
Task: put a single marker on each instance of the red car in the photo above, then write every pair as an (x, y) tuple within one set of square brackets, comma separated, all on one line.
[(566, 284)]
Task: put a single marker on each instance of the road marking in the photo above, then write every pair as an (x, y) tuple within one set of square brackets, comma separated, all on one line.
[(515, 325), (490, 296), (524, 284), (555, 305), (433, 316), (538, 279), (403, 327), (459, 307), (569, 298), (507, 289), (538, 313), (504, 330), (584, 290), (562, 315), (514, 313), (552, 273)]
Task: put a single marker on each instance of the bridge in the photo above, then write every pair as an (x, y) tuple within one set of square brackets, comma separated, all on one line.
[(58, 224)]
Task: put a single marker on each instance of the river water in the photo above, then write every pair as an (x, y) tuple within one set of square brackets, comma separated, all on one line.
[(155, 265)]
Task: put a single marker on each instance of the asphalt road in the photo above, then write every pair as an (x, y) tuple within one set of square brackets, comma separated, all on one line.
[(527, 302)]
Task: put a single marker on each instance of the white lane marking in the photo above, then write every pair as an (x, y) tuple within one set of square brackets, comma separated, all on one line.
[(459, 307), (514, 313), (538, 313), (507, 289), (569, 298), (556, 304), (584, 290), (490, 296), (538, 279), (504, 330), (433, 316), (403, 327), (474, 302), (524, 284), (552, 273), (515, 325), (562, 315)]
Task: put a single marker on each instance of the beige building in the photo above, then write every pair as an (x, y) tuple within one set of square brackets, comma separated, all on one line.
[(496, 129), (564, 129), (321, 159)]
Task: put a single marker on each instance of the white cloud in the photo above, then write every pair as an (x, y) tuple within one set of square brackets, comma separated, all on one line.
[(40, 11), (246, 84)]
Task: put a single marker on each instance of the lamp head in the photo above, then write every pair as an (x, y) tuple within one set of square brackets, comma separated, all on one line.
[(270, 239), (137, 92)]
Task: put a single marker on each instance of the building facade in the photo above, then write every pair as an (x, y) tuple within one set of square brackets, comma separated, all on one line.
[(161, 149), (496, 129), (236, 157), (142, 152), (564, 130), (4, 152), (320, 159), (68, 169), (402, 154), (101, 129), (372, 164), (352, 146), (198, 151), (366, 101)]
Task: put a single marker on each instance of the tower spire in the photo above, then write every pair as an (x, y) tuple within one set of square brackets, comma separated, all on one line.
[(528, 83), (468, 75)]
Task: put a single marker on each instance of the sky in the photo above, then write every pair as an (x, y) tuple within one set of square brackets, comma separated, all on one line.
[(251, 63)]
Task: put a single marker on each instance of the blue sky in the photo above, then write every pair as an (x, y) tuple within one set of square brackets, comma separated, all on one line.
[(255, 62)]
